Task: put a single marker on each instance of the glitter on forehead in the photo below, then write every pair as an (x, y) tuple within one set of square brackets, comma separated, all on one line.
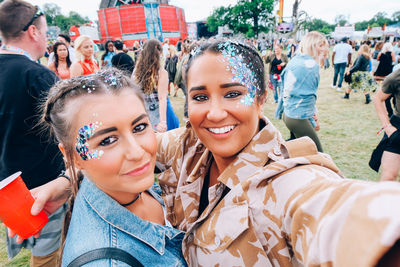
[(82, 146), (195, 51), (241, 72), (112, 80)]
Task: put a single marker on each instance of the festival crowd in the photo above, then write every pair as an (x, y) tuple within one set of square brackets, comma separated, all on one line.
[(103, 153)]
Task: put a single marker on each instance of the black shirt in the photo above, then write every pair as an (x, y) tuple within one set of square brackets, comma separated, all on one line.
[(23, 83), (274, 66), (123, 62)]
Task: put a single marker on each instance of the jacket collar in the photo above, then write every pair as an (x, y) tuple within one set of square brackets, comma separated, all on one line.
[(119, 217)]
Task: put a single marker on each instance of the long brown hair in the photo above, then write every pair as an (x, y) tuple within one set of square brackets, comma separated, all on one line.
[(57, 117), (148, 66)]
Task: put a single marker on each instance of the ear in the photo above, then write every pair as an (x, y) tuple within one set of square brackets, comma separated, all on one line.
[(76, 162), (31, 32), (260, 105)]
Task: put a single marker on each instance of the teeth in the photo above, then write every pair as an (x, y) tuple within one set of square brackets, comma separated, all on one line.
[(221, 130)]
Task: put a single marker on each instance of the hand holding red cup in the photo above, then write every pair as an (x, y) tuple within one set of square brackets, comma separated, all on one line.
[(15, 207)]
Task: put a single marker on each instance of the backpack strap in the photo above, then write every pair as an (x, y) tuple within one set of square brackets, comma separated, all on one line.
[(105, 253)]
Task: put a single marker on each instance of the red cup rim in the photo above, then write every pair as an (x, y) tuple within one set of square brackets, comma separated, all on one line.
[(9, 179)]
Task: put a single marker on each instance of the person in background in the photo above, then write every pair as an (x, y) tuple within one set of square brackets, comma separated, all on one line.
[(386, 156), (23, 85), (179, 45), (85, 63), (277, 62), (165, 48), (61, 64), (64, 38), (108, 54), (170, 66), (136, 50), (386, 58), (375, 53), (153, 80), (122, 60), (297, 101), (180, 70), (361, 78), (341, 57)]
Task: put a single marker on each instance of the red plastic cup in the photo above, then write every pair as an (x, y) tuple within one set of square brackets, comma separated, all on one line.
[(279, 67), (15, 207)]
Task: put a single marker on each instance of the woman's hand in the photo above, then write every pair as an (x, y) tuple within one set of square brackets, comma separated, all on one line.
[(49, 198)]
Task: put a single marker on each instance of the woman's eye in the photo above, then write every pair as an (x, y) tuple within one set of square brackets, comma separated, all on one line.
[(108, 141), (140, 127), (200, 98), (233, 94)]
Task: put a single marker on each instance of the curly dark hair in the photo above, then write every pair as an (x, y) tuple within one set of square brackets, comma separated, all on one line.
[(148, 66)]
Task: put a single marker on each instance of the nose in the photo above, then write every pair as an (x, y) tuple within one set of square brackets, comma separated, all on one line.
[(216, 111), (133, 150)]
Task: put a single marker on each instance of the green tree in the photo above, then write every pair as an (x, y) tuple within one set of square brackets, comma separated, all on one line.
[(380, 19), (253, 14), (319, 25), (249, 17), (220, 17), (362, 25), (396, 17), (52, 11), (341, 20)]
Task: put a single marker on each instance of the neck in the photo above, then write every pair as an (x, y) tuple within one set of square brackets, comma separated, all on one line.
[(218, 166), (22, 45), (62, 59)]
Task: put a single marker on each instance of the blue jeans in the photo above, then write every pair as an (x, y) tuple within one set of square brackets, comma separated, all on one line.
[(339, 69), (277, 86)]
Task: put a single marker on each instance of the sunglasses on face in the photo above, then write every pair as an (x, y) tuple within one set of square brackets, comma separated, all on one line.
[(38, 13)]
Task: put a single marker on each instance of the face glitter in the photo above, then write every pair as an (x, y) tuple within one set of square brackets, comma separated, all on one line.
[(241, 72), (82, 146)]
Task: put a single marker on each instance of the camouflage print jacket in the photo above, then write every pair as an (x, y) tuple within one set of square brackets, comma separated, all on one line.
[(287, 205)]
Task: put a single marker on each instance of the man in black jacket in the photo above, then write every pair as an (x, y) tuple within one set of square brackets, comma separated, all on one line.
[(23, 84)]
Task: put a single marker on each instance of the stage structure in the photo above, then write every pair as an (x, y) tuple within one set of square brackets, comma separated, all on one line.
[(136, 20)]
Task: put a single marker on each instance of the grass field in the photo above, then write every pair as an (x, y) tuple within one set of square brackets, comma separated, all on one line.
[(348, 134)]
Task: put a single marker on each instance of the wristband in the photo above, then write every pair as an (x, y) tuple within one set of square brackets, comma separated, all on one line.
[(63, 174), (381, 129)]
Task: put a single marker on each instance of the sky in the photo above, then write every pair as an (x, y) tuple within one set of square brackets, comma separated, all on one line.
[(354, 10)]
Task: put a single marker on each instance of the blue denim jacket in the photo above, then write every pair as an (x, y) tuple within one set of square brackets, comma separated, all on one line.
[(99, 221), (300, 82)]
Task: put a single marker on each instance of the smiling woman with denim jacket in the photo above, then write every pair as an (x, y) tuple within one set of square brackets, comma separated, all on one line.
[(116, 153), (300, 83)]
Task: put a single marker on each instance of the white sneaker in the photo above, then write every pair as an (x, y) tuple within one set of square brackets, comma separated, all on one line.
[(339, 89), (333, 86)]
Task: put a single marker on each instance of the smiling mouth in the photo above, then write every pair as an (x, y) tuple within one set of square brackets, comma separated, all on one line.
[(222, 130), (139, 171)]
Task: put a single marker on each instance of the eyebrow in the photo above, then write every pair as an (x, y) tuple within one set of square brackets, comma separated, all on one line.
[(112, 129), (225, 85)]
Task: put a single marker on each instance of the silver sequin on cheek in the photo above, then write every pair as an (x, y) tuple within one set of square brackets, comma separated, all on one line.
[(82, 146), (241, 72)]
